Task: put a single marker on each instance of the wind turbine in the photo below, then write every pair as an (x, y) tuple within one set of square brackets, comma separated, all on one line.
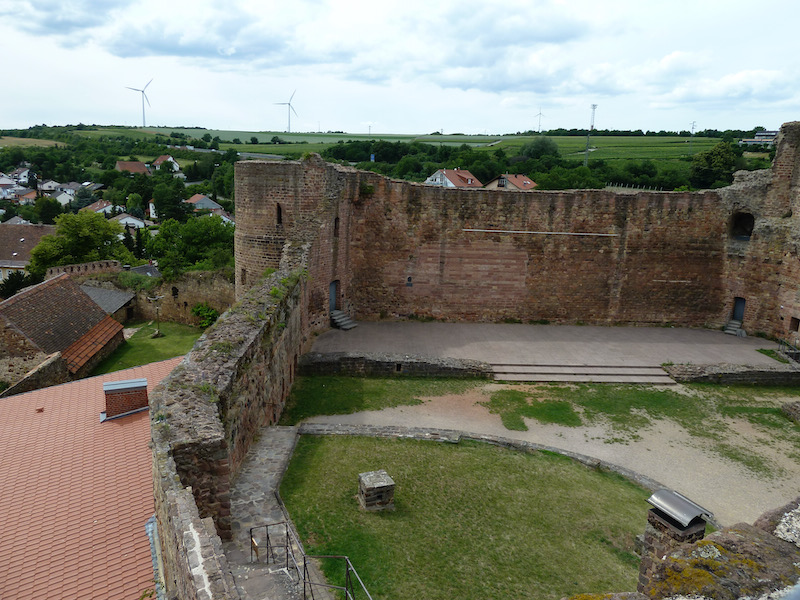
[(144, 97), (289, 109), (540, 115)]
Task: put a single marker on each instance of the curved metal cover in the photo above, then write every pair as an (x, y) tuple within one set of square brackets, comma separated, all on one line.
[(678, 506)]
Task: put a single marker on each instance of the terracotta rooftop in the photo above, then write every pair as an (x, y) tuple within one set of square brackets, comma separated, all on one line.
[(132, 166), (17, 241), (462, 178), (54, 314), (75, 492), (98, 206), (79, 353)]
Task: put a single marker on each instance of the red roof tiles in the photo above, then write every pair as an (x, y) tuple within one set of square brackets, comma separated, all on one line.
[(75, 492), (79, 353), (54, 314)]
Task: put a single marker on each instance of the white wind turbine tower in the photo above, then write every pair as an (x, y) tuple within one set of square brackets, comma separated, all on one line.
[(540, 115), (144, 97), (289, 109)]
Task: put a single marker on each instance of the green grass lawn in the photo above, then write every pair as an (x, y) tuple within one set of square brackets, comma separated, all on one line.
[(330, 395), (141, 349), (472, 521)]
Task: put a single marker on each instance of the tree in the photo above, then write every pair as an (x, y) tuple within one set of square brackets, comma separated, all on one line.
[(541, 146), (15, 282), (253, 140), (82, 237), (48, 209), (714, 168), (134, 201)]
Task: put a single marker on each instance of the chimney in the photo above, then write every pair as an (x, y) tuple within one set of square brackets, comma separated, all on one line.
[(124, 397)]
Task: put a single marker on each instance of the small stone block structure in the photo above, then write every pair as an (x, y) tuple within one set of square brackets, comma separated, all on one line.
[(663, 535), (376, 491)]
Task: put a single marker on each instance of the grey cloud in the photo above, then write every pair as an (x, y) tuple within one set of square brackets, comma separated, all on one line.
[(56, 17)]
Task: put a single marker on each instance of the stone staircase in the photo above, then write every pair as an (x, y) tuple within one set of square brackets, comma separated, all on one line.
[(582, 374), (734, 327), (342, 320)]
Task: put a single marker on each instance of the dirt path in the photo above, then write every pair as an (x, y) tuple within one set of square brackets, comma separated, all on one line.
[(664, 452)]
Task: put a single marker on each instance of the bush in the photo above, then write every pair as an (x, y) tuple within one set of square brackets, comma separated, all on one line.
[(136, 281), (206, 314)]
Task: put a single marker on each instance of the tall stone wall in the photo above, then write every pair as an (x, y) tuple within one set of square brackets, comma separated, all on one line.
[(406, 249)]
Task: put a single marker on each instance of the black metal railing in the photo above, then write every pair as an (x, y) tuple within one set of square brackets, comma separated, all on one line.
[(788, 350), (350, 590), (279, 539)]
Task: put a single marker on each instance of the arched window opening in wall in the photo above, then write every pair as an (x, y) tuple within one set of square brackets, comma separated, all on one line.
[(336, 227), (278, 214), (174, 292), (742, 226)]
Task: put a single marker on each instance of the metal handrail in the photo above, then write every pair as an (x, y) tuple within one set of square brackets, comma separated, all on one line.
[(789, 350), (349, 588), (290, 541)]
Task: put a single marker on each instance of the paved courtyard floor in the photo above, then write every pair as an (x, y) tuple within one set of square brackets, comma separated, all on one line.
[(548, 344)]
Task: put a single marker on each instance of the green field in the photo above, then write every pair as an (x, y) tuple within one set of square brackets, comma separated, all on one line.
[(602, 147)]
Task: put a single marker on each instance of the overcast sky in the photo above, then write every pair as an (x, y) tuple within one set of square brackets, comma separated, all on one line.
[(402, 66)]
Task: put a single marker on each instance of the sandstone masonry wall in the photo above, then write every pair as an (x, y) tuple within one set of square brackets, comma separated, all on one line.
[(180, 296)]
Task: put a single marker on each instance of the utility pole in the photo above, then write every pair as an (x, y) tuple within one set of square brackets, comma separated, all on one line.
[(588, 137)]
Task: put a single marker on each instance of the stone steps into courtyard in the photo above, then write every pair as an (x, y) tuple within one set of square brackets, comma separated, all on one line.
[(643, 374)]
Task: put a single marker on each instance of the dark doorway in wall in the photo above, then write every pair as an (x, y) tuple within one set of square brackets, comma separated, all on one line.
[(334, 296), (742, 226), (738, 309), (794, 324), (278, 214)]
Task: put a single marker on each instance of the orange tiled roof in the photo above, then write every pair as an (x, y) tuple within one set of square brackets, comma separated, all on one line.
[(522, 182), (54, 314), (132, 166), (75, 492), (91, 343), (462, 178)]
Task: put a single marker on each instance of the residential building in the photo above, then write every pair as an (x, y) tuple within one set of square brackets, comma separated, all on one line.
[(454, 178), (16, 243), (77, 492), (202, 202), (132, 166), (168, 159), (513, 182), (57, 316), (101, 206)]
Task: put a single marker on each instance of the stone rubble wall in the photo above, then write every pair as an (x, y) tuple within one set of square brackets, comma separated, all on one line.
[(180, 296), (49, 370), (726, 374), (204, 416), (354, 364)]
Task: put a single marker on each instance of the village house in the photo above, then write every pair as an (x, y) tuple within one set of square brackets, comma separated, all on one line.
[(57, 316), (454, 178), (202, 202), (132, 166), (512, 182), (16, 243)]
